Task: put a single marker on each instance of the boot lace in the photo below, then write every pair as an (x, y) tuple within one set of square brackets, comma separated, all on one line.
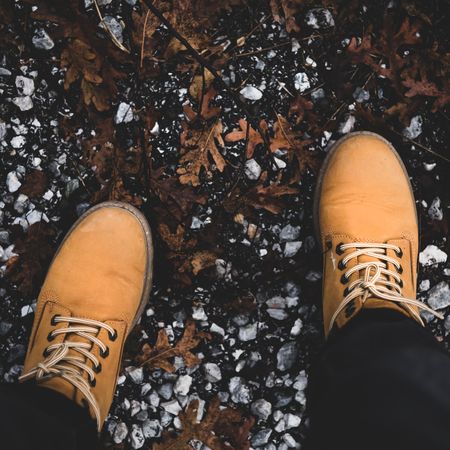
[(376, 280), (60, 362)]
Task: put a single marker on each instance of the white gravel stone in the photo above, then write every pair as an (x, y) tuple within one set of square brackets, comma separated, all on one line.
[(151, 429), (291, 421), (251, 93), (261, 408), (301, 81), (2, 130), (212, 371), (136, 374), (21, 203), (18, 141), (261, 437), (277, 314), (36, 216), (318, 18), (240, 392), (12, 182), (23, 103), (172, 407), (114, 27), (297, 328), (287, 356), (424, 285), (289, 233), (439, 295), (292, 248), (183, 385), (124, 113), (252, 169), (415, 128), (248, 332), (348, 125), (137, 437), (432, 255), (289, 440), (120, 433), (41, 40), (198, 313), (435, 211), (24, 85)]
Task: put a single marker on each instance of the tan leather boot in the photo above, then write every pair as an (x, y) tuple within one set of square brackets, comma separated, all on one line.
[(366, 221), (95, 291)]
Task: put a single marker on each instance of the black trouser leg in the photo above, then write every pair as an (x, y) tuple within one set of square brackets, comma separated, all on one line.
[(382, 382), (32, 417)]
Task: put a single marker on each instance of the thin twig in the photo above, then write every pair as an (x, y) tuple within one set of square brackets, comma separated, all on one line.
[(106, 27), (423, 147), (143, 39), (205, 63)]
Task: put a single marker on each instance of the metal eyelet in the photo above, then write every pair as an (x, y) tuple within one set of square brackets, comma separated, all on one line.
[(50, 336), (93, 382), (344, 279), (400, 269), (53, 320), (339, 251), (342, 265), (97, 369), (105, 353), (399, 253), (113, 337)]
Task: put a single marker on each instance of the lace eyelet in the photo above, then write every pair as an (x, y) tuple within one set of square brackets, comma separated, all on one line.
[(344, 279), (399, 253), (346, 291), (341, 265), (93, 382), (400, 269), (400, 283), (53, 320), (98, 369), (45, 353), (105, 353), (339, 251), (50, 336), (113, 337)]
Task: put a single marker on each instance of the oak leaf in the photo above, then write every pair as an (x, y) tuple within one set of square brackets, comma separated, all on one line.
[(160, 355), (221, 429), (286, 138), (254, 137), (197, 146)]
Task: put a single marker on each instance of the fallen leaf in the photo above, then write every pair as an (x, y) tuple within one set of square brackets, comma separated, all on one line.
[(221, 429), (196, 147), (35, 184), (35, 250), (159, 355), (254, 137)]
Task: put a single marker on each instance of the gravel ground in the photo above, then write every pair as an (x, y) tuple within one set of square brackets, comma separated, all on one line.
[(261, 298)]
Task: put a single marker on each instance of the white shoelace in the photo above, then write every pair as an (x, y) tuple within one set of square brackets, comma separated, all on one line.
[(375, 280), (59, 363)]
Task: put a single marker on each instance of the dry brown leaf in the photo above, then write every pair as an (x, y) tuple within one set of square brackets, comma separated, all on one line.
[(221, 429), (35, 184), (35, 250), (197, 146), (286, 138), (254, 137), (159, 355), (207, 111), (290, 8)]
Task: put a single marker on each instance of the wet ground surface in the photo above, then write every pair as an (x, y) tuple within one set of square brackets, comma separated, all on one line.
[(257, 291)]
